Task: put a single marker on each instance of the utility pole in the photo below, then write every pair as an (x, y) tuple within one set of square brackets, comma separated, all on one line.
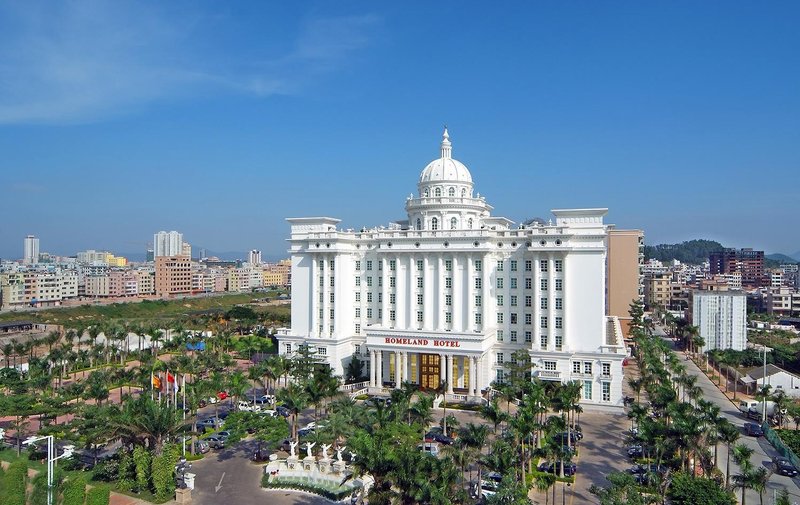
[(763, 388)]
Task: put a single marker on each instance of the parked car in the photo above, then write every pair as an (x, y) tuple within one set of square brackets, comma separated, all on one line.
[(378, 400), (439, 437), (285, 447), (210, 423), (753, 430), (200, 446), (429, 448), (652, 468), (563, 437), (283, 411), (635, 451), (268, 412), (548, 467), (215, 441), (245, 406), (487, 488), (260, 454), (304, 432), (784, 467)]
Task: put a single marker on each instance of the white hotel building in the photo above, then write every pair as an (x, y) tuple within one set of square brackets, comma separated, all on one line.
[(451, 293)]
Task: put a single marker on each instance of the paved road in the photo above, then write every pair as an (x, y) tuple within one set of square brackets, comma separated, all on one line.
[(763, 452)]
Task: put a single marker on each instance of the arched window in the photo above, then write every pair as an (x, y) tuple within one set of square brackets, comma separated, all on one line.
[(437, 192), (451, 192), (469, 223), (463, 192), (434, 224), (453, 223), (427, 193), (419, 224)]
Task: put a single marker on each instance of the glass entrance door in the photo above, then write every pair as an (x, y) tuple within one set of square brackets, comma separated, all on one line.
[(429, 371)]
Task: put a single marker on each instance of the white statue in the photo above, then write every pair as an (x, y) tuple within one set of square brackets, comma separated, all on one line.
[(292, 445), (309, 446), (352, 456), (339, 452), (325, 448)]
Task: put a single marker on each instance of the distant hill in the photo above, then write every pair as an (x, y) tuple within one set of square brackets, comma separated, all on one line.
[(694, 252), (796, 256), (780, 258)]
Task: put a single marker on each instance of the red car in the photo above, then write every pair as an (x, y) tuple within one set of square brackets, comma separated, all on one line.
[(222, 395)]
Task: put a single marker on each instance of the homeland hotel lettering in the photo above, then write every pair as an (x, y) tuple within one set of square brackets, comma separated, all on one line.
[(422, 342)]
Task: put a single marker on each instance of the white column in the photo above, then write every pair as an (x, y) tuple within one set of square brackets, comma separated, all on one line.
[(442, 368), (398, 371), (404, 366), (428, 307), (315, 290), (469, 318), (478, 375), (440, 307), (372, 368), (384, 292), (458, 296), (450, 377), (462, 364), (473, 377), (379, 368)]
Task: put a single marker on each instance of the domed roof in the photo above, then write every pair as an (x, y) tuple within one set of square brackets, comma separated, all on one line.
[(445, 168)]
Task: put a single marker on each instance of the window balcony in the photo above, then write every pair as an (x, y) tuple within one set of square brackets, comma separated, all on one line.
[(548, 374)]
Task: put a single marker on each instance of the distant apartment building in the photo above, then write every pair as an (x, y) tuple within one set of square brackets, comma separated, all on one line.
[(657, 290), (784, 301), (254, 257), (101, 258), (721, 318), (186, 249), (37, 288), (624, 263), (278, 274), (123, 284), (238, 279), (748, 262), (173, 275), (167, 244), (30, 250), (97, 286)]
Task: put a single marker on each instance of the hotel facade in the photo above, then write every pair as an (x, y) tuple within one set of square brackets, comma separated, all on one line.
[(451, 293)]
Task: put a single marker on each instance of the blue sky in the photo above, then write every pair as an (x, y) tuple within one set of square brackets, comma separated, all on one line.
[(119, 119)]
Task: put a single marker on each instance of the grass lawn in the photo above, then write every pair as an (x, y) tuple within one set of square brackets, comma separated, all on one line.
[(150, 310)]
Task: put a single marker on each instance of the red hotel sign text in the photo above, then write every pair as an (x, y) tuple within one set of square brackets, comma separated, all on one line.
[(421, 341)]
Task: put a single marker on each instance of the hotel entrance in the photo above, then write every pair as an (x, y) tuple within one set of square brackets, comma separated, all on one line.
[(429, 372)]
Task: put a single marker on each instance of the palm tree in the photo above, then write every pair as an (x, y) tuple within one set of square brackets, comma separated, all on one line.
[(143, 420), (744, 479), (493, 413), (295, 398)]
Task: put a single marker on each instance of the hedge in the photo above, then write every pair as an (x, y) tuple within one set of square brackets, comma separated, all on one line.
[(14, 483), (98, 496), (298, 486), (75, 491)]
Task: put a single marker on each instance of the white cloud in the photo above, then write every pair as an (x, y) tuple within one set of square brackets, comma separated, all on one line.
[(87, 61)]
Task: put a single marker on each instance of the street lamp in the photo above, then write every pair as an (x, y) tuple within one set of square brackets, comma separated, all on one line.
[(51, 459)]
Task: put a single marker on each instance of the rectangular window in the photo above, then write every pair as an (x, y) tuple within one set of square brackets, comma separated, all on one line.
[(358, 265), (369, 264), (420, 264), (448, 265), (513, 283), (448, 283), (358, 328), (543, 304), (559, 264), (500, 358), (500, 335), (380, 297), (587, 390), (528, 337), (499, 300), (478, 283), (369, 282), (543, 265), (528, 300), (331, 297), (513, 301), (528, 319), (358, 282), (606, 369), (380, 265), (419, 299), (499, 265), (369, 313), (322, 351), (478, 265), (543, 341), (528, 283), (501, 376), (392, 298), (559, 284), (587, 367), (559, 342), (513, 335), (448, 317), (513, 318), (419, 282), (576, 367), (419, 316), (357, 349), (321, 281), (392, 314), (543, 321), (358, 296), (369, 297), (500, 317), (550, 366), (559, 322), (606, 391), (478, 318), (358, 311), (448, 300), (513, 265), (392, 265), (478, 300), (288, 348), (499, 283), (528, 265), (392, 282), (559, 303), (513, 358), (330, 312), (543, 284)]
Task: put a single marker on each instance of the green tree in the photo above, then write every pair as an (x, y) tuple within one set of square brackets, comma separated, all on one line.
[(686, 490), (355, 370)]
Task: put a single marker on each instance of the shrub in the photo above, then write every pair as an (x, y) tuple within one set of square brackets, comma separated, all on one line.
[(106, 470), (98, 496), (142, 462), (75, 491), (39, 493), (163, 473), (14, 483)]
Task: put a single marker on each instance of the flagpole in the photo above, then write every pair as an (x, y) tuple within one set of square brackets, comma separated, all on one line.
[(183, 394)]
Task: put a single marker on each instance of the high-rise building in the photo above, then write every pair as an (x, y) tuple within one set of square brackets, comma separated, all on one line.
[(173, 275), (456, 295), (748, 262), (31, 250), (625, 280), (254, 257), (721, 317), (167, 244)]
